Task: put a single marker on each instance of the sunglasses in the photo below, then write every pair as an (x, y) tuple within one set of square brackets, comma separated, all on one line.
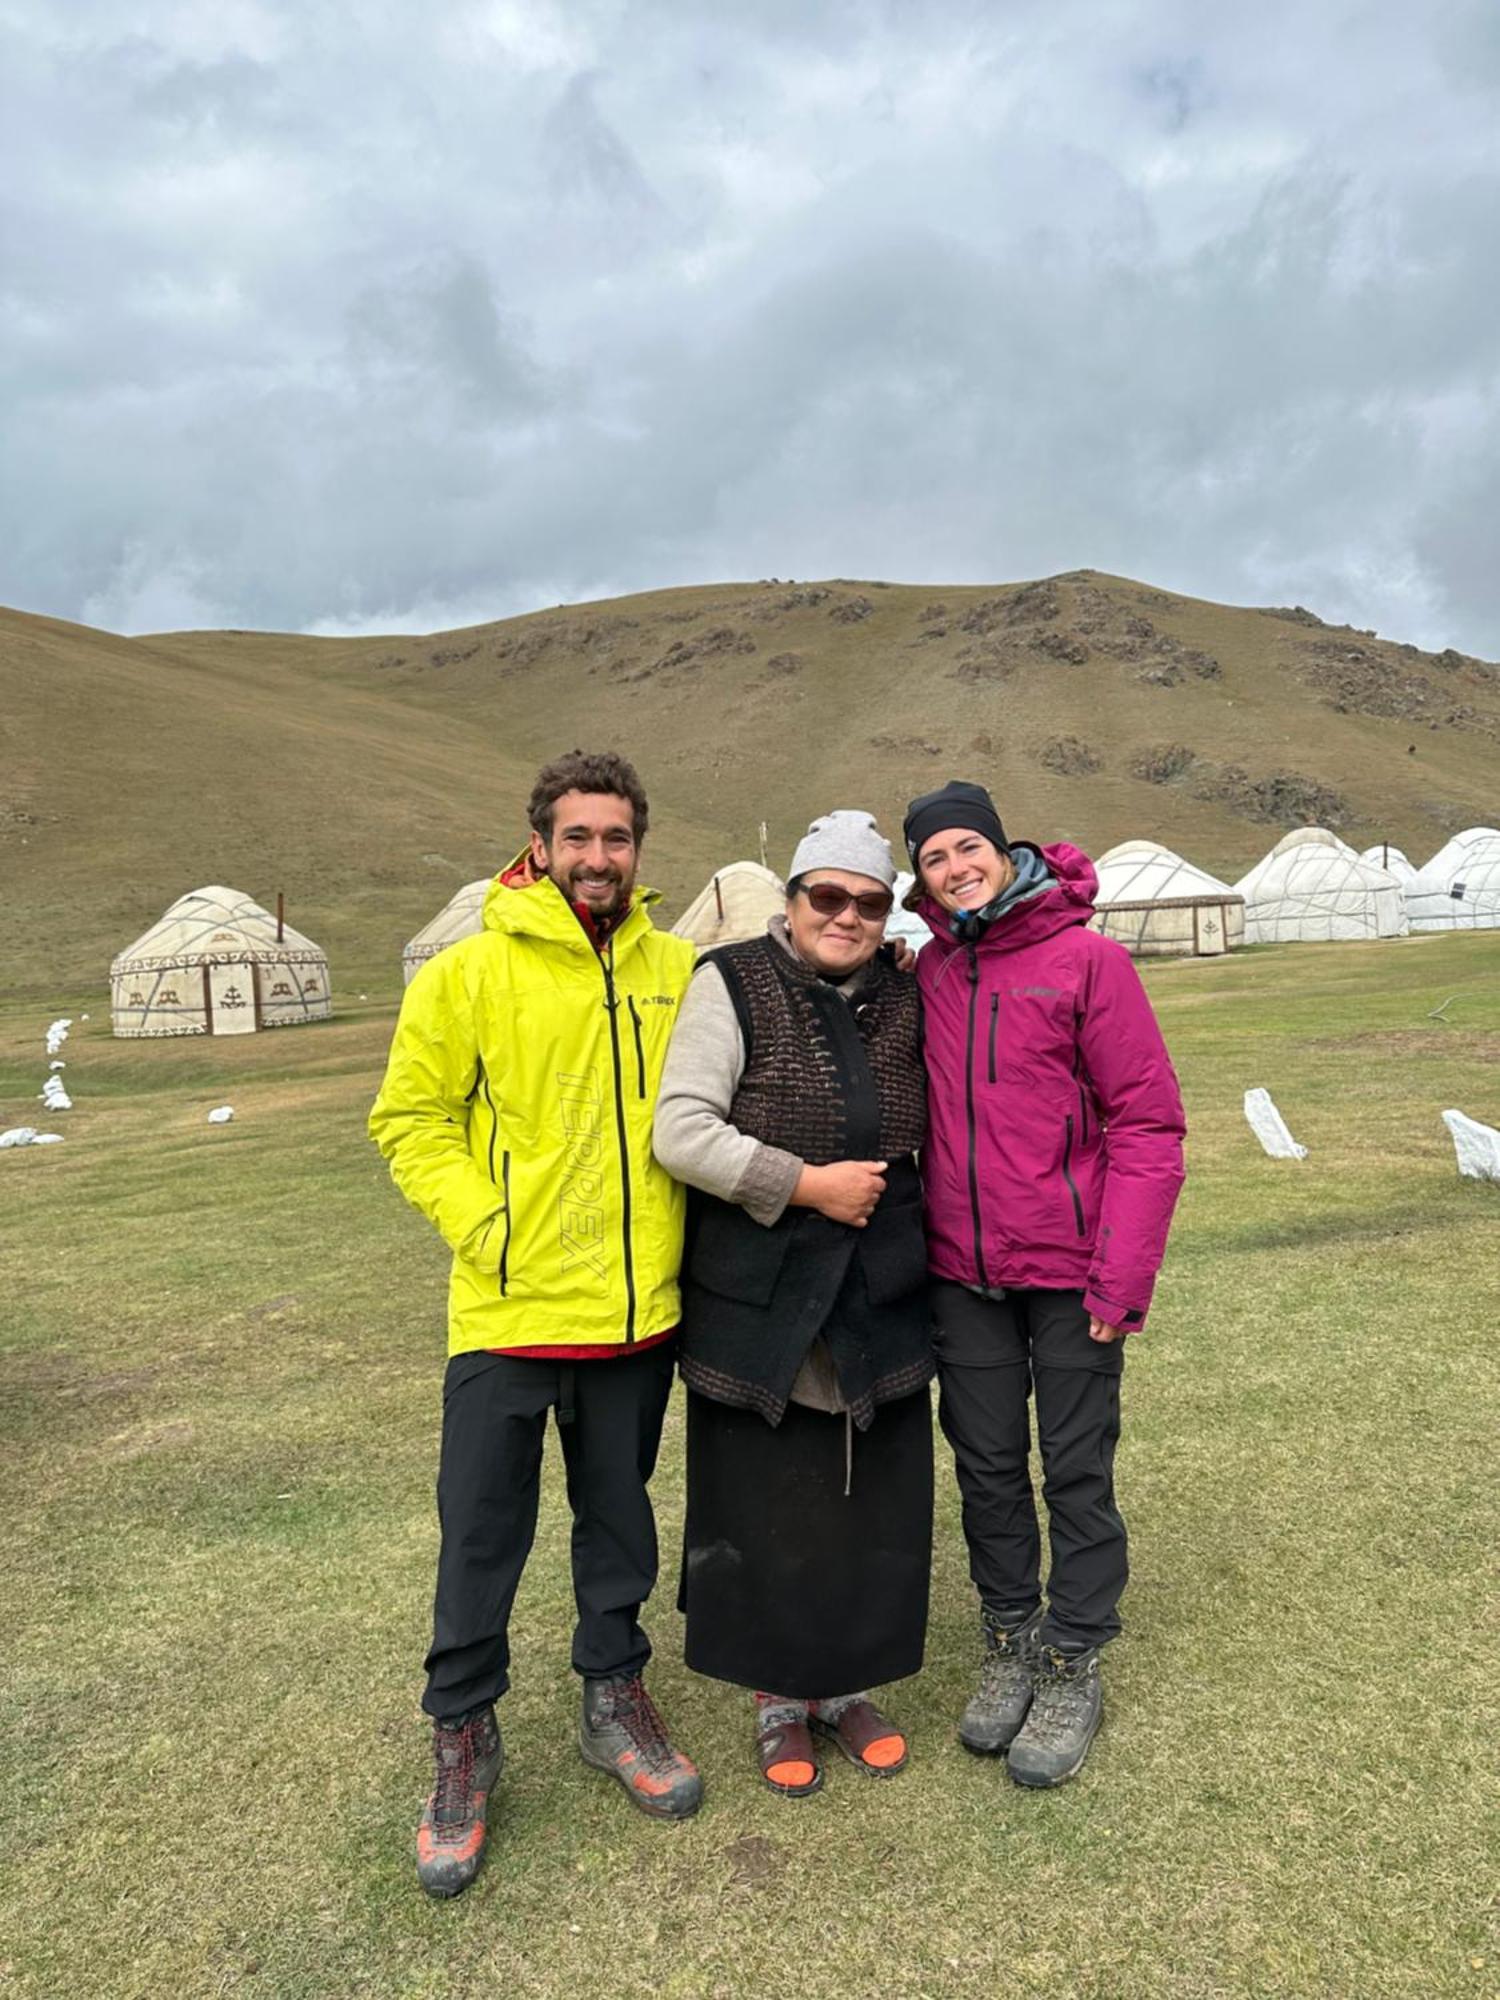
[(829, 900)]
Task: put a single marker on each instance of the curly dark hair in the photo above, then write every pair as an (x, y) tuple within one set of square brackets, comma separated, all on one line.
[(587, 771)]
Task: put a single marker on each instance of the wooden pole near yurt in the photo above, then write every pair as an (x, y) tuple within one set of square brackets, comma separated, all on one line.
[(280, 915), (719, 898)]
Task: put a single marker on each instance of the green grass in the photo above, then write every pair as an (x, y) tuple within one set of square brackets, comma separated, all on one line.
[(219, 1370)]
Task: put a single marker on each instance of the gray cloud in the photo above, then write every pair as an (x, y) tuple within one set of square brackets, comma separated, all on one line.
[(309, 321)]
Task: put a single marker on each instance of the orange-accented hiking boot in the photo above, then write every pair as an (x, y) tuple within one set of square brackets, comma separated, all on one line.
[(862, 1733), (622, 1733), (450, 1840)]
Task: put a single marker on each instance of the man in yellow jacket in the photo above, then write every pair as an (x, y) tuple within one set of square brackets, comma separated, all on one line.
[(516, 1115)]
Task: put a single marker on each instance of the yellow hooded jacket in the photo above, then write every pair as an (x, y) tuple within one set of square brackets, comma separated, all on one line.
[(516, 1115)]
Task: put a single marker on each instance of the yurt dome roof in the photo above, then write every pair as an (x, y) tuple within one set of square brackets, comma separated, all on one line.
[(1311, 836), (1143, 871), (461, 916), (736, 902), (215, 924)]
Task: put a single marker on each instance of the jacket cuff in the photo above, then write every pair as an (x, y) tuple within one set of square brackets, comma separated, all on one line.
[(1131, 1318), (767, 1184)]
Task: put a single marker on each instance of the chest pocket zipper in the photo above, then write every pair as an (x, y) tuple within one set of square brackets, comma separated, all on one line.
[(994, 1030), (640, 1051)]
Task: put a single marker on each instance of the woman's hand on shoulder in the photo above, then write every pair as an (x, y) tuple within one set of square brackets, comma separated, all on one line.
[(845, 1191)]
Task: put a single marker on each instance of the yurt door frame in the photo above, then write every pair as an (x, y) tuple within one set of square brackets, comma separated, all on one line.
[(1210, 929), (239, 1015)]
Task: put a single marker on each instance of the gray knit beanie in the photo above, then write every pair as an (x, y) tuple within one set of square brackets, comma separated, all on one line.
[(849, 840)]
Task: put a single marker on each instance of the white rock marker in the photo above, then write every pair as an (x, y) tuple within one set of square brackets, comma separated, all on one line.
[(222, 1115), (1268, 1125), (1477, 1146)]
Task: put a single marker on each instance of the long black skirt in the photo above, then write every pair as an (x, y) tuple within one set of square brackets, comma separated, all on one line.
[(789, 1584)]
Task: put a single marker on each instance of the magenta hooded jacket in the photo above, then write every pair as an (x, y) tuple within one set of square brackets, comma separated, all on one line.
[(1054, 1151)]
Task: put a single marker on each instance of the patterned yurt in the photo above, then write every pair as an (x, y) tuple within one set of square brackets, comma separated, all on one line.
[(735, 904), (1159, 906), (460, 917), (218, 964), (1459, 888), (1318, 891)]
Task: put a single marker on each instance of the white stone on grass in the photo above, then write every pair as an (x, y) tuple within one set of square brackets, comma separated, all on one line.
[(1268, 1125), (1477, 1147)]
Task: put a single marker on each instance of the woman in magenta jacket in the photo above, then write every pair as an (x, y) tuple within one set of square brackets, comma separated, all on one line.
[(1053, 1164)]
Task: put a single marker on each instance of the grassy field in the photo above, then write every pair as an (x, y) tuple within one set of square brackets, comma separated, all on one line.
[(220, 1366)]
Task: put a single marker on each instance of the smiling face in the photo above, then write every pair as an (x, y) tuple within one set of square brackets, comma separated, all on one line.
[(963, 870), (835, 945), (591, 853)]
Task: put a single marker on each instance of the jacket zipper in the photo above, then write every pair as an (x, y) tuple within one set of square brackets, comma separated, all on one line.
[(1072, 1185), (612, 1008), (505, 1243), (982, 1274), (1083, 1100), (994, 1029), (640, 1053), (504, 1182)]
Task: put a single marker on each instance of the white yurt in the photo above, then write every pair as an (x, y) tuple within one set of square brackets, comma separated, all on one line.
[(1391, 859), (1159, 906), (903, 923), (1459, 888), (460, 917), (218, 964), (1310, 836), (1316, 892), (735, 904)]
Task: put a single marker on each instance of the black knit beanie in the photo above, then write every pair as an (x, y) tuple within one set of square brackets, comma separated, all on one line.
[(955, 804)]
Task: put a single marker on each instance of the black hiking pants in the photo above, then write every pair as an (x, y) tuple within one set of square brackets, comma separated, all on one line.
[(609, 1417), (994, 1356)]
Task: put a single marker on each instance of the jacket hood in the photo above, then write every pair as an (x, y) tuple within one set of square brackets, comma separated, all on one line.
[(1069, 901), (521, 902)]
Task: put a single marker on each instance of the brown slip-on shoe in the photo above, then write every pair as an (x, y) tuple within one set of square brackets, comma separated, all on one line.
[(784, 1746), (864, 1735)]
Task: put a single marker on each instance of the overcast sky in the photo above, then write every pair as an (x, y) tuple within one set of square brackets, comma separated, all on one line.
[(356, 317)]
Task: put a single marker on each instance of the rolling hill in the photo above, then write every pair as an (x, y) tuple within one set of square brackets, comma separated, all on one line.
[(368, 778)]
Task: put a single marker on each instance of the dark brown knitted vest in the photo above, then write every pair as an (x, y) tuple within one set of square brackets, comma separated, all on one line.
[(795, 1093)]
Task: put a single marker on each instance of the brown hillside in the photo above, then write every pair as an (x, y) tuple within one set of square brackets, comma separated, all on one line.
[(369, 777)]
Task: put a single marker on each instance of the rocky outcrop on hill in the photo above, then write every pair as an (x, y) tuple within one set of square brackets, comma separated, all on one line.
[(1275, 797), (1358, 679), (1069, 757)]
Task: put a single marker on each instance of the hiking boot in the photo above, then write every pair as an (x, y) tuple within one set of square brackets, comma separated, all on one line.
[(989, 1723), (450, 1840), (622, 1733), (1066, 1710)]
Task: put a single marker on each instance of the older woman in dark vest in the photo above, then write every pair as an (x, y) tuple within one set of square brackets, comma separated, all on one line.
[(794, 1100)]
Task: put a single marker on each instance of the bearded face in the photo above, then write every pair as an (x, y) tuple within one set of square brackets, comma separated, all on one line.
[(591, 853)]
